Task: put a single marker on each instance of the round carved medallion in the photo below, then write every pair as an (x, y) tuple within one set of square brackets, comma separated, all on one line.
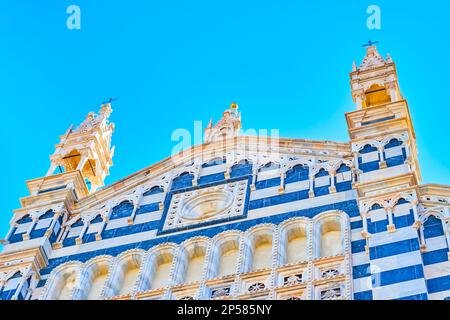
[(206, 204)]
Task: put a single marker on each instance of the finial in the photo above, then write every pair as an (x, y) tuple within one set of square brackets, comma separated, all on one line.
[(354, 68), (233, 105), (370, 43), (388, 57)]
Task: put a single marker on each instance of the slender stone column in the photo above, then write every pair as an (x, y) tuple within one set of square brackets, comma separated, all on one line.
[(423, 245), (63, 234), (332, 188), (364, 232), (227, 172), (49, 230), (82, 162), (10, 232), (391, 226), (26, 235), (52, 169), (252, 186), (282, 177), (311, 186), (98, 236), (416, 224), (136, 205), (79, 240), (356, 160), (382, 160)]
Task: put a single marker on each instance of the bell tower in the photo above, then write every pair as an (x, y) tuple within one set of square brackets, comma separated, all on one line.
[(384, 149), (382, 113), (79, 166), (86, 149)]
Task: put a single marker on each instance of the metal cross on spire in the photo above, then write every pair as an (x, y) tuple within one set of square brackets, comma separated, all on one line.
[(370, 43), (110, 100)]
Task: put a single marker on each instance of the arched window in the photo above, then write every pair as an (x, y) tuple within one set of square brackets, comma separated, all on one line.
[(161, 273), (184, 180), (67, 285), (10, 287), (229, 252), (97, 219), (155, 273), (433, 227), (394, 153), (125, 275), (78, 223), (369, 158), (153, 190), (297, 173), (242, 168), (213, 162), (322, 173), (268, 176), (49, 214), (329, 239), (377, 220), (64, 283), (195, 264), (295, 243), (270, 166), (124, 209), (97, 276), (262, 251), (25, 219), (343, 179), (322, 182)]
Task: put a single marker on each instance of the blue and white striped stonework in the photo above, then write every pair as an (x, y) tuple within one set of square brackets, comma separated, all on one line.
[(240, 217), (384, 266)]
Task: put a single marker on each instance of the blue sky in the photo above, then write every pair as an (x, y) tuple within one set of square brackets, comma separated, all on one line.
[(285, 63)]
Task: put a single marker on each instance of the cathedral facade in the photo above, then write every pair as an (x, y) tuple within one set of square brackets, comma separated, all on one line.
[(239, 217)]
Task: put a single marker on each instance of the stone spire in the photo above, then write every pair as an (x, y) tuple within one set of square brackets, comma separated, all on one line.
[(227, 127)]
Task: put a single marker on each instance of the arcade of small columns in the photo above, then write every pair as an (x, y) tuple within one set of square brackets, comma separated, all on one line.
[(380, 144), (35, 215), (314, 254), (27, 274), (440, 212), (135, 196), (420, 213), (284, 165)]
